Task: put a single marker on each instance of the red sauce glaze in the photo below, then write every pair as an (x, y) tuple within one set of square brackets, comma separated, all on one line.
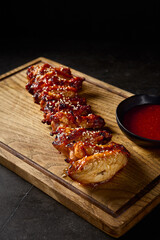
[(144, 121)]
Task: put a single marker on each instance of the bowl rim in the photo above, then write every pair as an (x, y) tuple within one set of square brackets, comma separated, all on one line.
[(121, 124)]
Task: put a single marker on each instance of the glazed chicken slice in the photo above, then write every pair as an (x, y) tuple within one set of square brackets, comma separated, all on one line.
[(64, 104), (81, 149), (79, 110), (38, 73), (64, 119), (48, 105), (55, 91), (35, 71), (99, 167), (50, 79), (55, 96), (49, 83), (46, 74), (66, 139)]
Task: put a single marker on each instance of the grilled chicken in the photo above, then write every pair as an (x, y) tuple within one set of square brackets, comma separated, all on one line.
[(55, 91), (64, 105), (46, 75), (48, 81), (81, 149), (48, 105), (99, 167), (64, 119), (72, 141), (79, 133)]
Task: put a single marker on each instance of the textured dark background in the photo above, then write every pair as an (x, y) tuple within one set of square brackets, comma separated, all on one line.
[(109, 40)]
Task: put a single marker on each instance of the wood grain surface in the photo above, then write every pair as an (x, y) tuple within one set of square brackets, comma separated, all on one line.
[(26, 148)]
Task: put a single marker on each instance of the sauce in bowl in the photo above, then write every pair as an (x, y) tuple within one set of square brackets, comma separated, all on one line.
[(144, 121)]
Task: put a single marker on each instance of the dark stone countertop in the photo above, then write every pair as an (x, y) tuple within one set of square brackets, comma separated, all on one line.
[(28, 213)]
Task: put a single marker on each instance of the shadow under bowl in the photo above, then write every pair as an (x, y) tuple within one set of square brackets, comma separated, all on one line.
[(126, 105)]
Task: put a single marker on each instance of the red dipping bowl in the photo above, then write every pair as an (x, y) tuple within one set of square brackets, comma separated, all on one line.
[(127, 105)]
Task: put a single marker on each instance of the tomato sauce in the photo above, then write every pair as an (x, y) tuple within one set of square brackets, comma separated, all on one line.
[(144, 121)]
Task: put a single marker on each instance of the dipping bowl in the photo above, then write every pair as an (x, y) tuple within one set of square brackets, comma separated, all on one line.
[(126, 105)]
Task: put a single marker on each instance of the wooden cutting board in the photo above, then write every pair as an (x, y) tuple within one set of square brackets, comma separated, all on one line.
[(26, 148)]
